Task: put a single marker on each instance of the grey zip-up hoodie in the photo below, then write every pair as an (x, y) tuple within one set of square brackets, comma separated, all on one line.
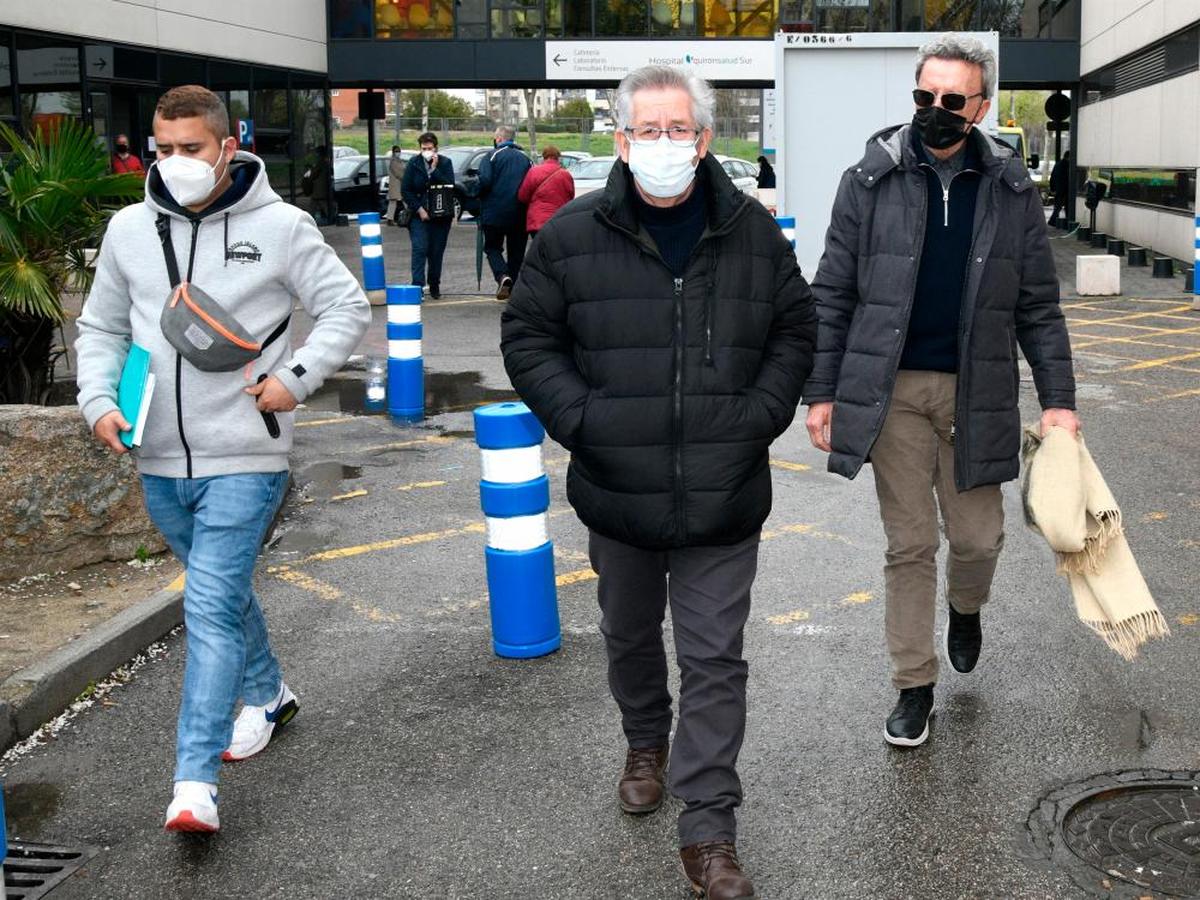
[(256, 256)]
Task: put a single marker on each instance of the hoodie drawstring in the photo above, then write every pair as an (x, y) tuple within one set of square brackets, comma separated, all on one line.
[(225, 249)]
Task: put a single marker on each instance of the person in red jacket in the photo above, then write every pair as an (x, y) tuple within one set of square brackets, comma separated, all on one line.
[(123, 160), (547, 188)]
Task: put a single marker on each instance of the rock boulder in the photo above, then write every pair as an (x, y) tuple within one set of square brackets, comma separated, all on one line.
[(65, 502)]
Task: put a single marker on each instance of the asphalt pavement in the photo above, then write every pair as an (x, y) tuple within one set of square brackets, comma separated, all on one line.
[(421, 765)]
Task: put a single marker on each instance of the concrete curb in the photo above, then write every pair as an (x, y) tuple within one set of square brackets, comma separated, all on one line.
[(32, 696)]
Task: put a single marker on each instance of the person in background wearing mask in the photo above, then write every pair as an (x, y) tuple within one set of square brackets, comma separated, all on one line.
[(661, 332), (766, 174), (546, 189), (124, 161), (214, 456), (428, 234), (395, 178), (502, 215), (936, 266)]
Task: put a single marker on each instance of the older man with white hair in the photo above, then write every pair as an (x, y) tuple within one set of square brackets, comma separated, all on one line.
[(662, 332), (936, 266)]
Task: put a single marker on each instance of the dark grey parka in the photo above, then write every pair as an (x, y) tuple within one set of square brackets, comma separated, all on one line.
[(865, 285), (667, 391)]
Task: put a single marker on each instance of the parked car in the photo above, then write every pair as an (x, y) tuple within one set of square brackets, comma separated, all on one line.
[(591, 174), (340, 152), (352, 190), (743, 173), (466, 162), (571, 158)]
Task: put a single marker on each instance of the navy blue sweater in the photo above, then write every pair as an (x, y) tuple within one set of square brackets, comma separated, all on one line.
[(676, 229), (500, 177), (932, 341)]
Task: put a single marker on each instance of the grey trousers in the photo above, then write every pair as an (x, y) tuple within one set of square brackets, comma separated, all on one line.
[(709, 592), (914, 479)]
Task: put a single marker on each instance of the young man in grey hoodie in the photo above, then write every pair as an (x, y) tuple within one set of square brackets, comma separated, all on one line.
[(214, 455)]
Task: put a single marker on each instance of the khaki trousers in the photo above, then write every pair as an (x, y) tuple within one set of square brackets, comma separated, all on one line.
[(914, 476)]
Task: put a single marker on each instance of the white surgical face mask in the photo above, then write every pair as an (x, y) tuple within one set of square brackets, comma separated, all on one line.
[(662, 169), (189, 180), (427, 155)]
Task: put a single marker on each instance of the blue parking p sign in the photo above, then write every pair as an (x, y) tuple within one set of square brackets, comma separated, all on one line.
[(245, 129)]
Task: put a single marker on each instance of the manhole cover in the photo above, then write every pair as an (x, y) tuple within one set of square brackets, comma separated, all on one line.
[(1133, 831), (33, 870)]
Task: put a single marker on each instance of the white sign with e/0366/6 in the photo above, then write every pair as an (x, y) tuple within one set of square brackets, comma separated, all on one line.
[(610, 61)]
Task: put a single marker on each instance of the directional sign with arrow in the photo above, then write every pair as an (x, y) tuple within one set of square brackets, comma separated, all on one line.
[(99, 60), (559, 59)]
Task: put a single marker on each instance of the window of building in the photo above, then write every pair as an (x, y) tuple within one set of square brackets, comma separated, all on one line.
[(516, 18), (1169, 58), (414, 19), (177, 70), (622, 18), (48, 73), (6, 76), (568, 18), (675, 17), (1173, 189), (350, 18)]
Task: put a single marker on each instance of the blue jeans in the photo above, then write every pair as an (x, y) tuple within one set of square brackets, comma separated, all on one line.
[(216, 526), (428, 245)]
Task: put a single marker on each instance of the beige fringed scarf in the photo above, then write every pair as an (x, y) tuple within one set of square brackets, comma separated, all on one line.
[(1068, 503)]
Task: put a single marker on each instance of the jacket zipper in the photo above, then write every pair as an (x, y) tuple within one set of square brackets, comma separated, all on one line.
[(962, 382), (946, 190), (187, 451), (680, 494)]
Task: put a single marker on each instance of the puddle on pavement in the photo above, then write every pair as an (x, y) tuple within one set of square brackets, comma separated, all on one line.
[(444, 392), (28, 806), (327, 474)]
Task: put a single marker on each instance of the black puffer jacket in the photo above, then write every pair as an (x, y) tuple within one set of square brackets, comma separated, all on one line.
[(667, 392), (864, 288)]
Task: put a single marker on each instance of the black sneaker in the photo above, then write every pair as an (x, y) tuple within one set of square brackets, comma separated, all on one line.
[(435, 291), (908, 725), (964, 640), (504, 289)]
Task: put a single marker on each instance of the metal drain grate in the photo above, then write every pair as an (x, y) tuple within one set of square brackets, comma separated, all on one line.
[(33, 870), (1124, 833)]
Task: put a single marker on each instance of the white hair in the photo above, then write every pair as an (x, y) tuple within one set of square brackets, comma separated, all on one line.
[(506, 132), (659, 77), (961, 47)]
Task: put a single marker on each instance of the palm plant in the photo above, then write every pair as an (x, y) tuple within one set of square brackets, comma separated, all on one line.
[(55, 198)]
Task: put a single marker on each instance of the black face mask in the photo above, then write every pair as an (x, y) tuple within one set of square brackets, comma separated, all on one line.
[(939, 128), (122, 148)]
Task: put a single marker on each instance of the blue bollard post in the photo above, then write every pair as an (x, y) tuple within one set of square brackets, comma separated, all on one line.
[(3, 843), (370, 235), (788, 224), (406, 367), (515, 494), (1196, 269)]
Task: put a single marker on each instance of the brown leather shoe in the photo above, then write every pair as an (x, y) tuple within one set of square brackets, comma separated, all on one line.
[(714, 871), (641, 786)]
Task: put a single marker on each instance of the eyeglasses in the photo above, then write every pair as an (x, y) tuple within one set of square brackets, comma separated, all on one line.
[(678, 135), (952, 102)]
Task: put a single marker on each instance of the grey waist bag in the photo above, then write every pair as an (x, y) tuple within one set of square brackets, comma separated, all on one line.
[(198, 326)]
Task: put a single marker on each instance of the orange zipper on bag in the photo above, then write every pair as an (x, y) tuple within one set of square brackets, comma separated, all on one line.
[(212, 323)]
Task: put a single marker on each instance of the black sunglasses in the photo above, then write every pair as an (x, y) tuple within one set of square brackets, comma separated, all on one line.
[(953, 102)]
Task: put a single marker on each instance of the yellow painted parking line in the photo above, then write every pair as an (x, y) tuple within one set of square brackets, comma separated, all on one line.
[(361, 492), (796, 615), (420, 485), (1194, 392), (575, 577), (406, 541), (790, 466), (313, 423), (464, 302), (1163, 361), (305, 582), (434, 439), (463, 407), (1135, 342), (178, 583), (1128, 318), (810, 530), (857, 598)]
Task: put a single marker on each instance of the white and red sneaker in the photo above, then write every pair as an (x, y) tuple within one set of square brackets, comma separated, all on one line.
[(194, 808), (256, 725)]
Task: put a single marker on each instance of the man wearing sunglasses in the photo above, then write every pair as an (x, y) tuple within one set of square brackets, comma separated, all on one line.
[(662, 332), (936, 266)]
